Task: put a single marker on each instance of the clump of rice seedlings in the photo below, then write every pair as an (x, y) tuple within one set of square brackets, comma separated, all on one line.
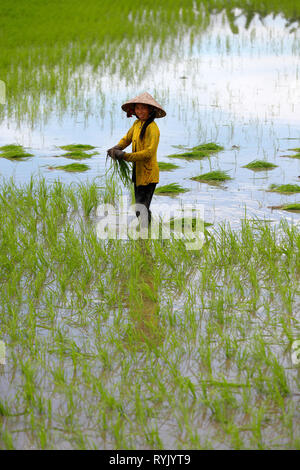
[(14, 151), (212, 176), (260, 165), (294, 207), (170, 189), (74, 147), (72, 167), (285, 188), (78, 155), (164, 166), (210, 147), (194, 155), (207, 148), (297, 149), (12, 147), (297, 155)]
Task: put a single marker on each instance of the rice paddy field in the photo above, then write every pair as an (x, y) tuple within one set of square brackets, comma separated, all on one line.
[(143, 343)]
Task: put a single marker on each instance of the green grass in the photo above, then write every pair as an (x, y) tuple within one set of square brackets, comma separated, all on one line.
[(131, 336), (260, 165), (77, 147), (212, 176), (189, 220), (71, 167), (170, 189), (285, 188), (164, 166)]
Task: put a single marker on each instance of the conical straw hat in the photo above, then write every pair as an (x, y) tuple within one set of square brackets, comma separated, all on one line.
[(144, 98)]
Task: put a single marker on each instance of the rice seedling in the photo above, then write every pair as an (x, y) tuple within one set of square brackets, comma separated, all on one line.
[(141, 344), (77, 147), (13, 147), (295, 207), (297, 155), (72, 167), (284, 188), (212, 176), (164, 166), (260, 165), (198, 152), (170, 189), (210, 147), (78, 155), (79, 317), (13, 151), (194, 155), (192, 221), (121, 169)]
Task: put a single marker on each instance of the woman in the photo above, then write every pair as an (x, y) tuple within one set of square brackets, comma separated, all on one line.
[(144, 136)]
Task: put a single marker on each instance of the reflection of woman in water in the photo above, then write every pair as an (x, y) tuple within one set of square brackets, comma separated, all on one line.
[(143, 305), (144, 136)]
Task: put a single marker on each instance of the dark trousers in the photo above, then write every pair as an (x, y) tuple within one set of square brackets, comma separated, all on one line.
[(143, 195)]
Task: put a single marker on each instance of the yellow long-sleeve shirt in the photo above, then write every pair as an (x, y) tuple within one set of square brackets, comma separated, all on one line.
[(144, 152)]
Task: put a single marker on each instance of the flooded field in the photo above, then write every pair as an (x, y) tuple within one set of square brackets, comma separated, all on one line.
[(140, 344)]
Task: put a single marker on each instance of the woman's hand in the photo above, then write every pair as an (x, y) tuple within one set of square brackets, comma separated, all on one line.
[(111, 152), (119, 154)]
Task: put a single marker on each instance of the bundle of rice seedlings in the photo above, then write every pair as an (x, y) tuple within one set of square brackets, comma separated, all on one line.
[(292, 207), (260, 165), (285, 188), (194, 155), (72, 167), (210, 147), (173, 188), (78, 155), (12, 147), (212, 176), (297, 155), (121, 169), (14, 151), (164, 166), (74, 147)]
